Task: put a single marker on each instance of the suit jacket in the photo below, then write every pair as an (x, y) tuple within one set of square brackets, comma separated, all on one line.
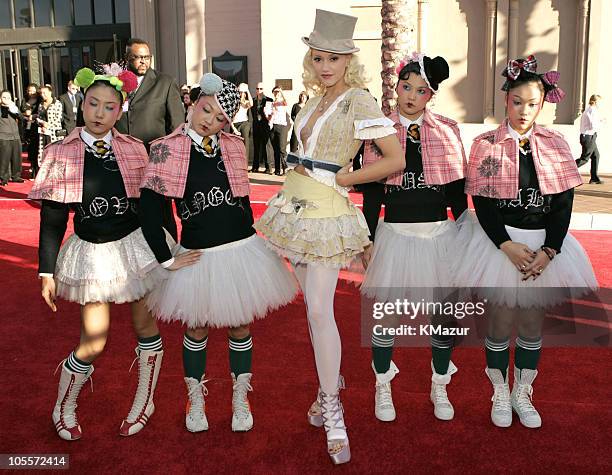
[(154, 110), (257, 111), (69, 118)]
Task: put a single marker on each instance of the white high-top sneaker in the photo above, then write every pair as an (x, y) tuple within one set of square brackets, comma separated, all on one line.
[(64, 413), (501, 410), (149, 364), (522, 391), (383, 400), (242, 419), (195, 412), (443, 409)]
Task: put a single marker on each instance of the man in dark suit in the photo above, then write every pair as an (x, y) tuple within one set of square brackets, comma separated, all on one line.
[(152, 111), (261, 112), (155, 109), (71, 102)]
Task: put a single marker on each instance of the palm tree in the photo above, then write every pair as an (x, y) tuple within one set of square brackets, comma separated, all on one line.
[(397, 40)]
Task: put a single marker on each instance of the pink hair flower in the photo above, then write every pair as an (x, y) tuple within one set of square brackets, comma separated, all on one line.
[(130, 82)]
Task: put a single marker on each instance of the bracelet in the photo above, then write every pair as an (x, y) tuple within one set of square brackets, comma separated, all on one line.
[(551, 253)]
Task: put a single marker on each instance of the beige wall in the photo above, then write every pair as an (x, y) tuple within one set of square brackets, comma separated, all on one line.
[(234, 26), (268, 32)]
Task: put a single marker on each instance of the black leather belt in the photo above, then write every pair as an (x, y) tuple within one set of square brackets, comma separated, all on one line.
[(312, 164)]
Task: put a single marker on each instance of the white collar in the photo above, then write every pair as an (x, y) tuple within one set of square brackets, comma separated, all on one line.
[(408, 122), (518, 137), (197, 138), (90, 139)]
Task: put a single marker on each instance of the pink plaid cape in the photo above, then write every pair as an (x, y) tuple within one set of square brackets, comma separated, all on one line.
[(442, 150), (166, 173), (493, 168), (60, 177)]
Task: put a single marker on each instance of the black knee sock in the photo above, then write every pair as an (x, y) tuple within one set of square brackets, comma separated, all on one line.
[(194, 357), (441, 350), (75, 365), (527, 352), (382, 352), (240, 354), (498, 354), (150, 343)]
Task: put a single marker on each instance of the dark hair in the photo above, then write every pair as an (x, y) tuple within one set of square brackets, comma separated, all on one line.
[(107, 84), (135, 41), (32, 84), (436, 71), (194, 94), (410, 68), (303, 94)]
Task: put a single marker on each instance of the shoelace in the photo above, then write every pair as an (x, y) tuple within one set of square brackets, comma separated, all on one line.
[(523, 398), (440, 394), (69, 408), (239, 400), (501, 398), (383, 393), (196, 396), (141, 391), (331, 409), (315, 408)]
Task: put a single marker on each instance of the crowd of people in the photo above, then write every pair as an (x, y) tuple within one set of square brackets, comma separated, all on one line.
[(264, 123), (120, 172)]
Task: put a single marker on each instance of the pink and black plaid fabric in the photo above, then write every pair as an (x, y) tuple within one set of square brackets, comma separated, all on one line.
[(493, 168), (169, 164), (60, 177), (443, 155)]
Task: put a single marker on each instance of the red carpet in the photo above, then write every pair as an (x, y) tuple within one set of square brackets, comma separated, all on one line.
[(572, 392)]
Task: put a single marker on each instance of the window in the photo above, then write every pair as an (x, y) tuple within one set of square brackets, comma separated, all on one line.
[(82, 12), (23, 15), (63, 12), (122, 11), (42, 12), (5, 14), (231, 68), (103, 12)]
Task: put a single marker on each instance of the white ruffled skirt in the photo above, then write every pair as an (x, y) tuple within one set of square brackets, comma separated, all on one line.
[(411, 260), (231, 285), (490, 274), (118, 271)]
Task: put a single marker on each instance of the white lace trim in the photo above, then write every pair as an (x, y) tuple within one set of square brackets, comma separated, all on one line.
[(327, 178)]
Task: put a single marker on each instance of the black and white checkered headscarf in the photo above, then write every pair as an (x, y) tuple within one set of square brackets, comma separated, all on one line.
[(226, 94)]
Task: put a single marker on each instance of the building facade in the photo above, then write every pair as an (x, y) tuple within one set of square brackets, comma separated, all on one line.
[(47, 41)]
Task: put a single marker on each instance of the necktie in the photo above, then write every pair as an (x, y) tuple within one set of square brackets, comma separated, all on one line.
[(102, 148), (207, 145), (414, 132), (524, 145)]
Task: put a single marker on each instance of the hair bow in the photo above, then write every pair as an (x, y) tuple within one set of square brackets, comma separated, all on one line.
[(555, 94), (514, 67)]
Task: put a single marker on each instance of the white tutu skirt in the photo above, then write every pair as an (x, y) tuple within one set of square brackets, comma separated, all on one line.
[(231, 285), (490, 274), (118, 271), (412, 261)]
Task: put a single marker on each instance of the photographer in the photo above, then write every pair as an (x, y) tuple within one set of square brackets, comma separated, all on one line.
[(10, 142)]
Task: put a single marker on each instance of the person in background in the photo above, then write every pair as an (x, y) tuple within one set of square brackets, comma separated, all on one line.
[(10, 142), (590, 123), (154, 109), (261, 131), (186, 103), (49, 120), (297, 107), (278, 133), (242, 121), (71, 102)]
